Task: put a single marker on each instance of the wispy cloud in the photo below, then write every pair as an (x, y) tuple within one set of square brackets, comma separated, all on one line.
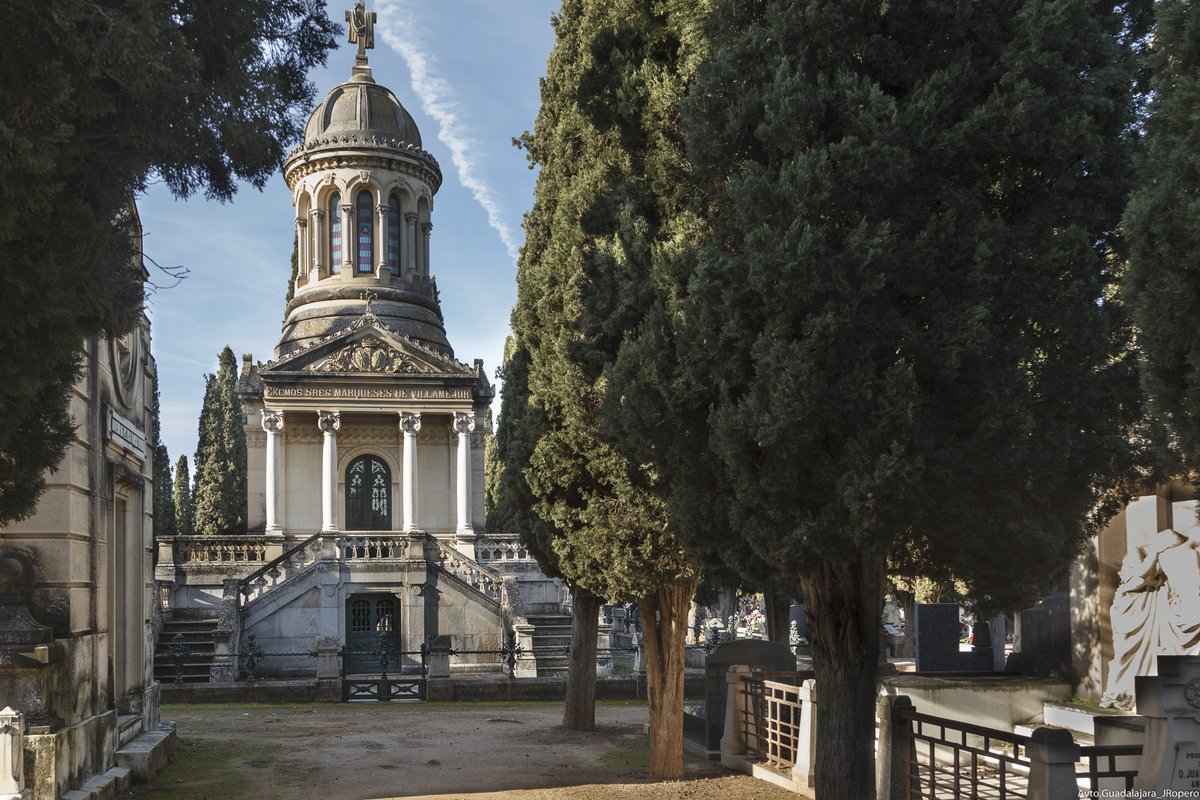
[(398, 28)]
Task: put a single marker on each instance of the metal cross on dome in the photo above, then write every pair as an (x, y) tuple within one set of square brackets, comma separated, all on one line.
[(360, 25)]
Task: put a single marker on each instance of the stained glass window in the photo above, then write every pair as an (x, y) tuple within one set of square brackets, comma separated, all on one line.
[(366, 237), (393, 235), (368, 494), (335, 233)]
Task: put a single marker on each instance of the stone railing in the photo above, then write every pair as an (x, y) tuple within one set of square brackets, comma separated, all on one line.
[(369, 546), (502, 548), (295, 559), (478, 577), (235, 548)]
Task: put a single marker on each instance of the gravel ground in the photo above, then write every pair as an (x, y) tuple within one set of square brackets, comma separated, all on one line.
[(482, 751)]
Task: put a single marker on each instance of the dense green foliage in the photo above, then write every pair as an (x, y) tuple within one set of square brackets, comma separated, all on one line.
[(95, 99), (185, 512), (1162, 223), (219, 499), (164, 501)]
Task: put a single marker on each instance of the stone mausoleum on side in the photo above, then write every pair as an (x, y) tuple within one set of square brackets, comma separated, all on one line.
[(365, 438), (79, 705)]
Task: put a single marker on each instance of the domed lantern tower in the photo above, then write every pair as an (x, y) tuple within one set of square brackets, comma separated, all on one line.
[(364, 420)]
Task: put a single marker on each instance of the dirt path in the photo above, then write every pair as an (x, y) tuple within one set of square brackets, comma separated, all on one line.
[(390, 750)]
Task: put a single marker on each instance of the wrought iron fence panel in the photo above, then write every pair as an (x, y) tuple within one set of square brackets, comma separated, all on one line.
[(1100, 764), (962, 760)]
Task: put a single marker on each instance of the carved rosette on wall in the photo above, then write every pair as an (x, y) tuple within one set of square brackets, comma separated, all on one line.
[(371, 354)]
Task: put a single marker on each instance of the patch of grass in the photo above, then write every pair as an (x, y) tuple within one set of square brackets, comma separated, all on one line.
[(1090, 702), (636, 756), (192, 776)]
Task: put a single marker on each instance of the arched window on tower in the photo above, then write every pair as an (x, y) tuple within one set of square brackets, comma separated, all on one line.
[(393, 235), (365, 236), (335, 233)]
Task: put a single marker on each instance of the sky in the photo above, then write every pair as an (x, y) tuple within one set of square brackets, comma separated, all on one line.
[(468, 71)]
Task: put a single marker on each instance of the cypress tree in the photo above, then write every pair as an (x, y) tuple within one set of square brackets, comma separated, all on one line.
[(901, 314), (185, 519), (164, 503), (605, 142), (1164, 259), (522, 423), (220, 495)]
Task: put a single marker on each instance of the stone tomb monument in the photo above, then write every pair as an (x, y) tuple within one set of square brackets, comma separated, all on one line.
[(937, 632), (753, 653), (1170, 702)]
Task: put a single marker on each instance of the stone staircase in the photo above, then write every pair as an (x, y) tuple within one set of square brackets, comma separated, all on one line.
[(195, 636), (551, 638)]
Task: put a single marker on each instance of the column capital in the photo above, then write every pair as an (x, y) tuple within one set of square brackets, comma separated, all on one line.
[(329, 421), (317, 213), (301, 222), (410, 421), (381, 209), (426, 227), (347, 209), (272, 421), (410, 217), (464, 422)]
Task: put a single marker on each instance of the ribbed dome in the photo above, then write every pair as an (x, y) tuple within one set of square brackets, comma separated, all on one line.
[(360, 107)]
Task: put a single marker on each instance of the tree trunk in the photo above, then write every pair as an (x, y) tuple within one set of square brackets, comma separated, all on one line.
[(844, 603), (664, 626), (579, 714), (777, 608)]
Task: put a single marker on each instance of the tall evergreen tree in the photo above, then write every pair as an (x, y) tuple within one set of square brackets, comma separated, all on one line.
[(164, 503), (1164, 270), (522, 423), (99, 98), (604, 139), (900, 321), (185, 517), (220, 495)]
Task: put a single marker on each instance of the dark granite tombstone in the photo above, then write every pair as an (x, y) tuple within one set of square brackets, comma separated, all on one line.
[(753, 653), (796, 614), (938, 631), (1045, 642)]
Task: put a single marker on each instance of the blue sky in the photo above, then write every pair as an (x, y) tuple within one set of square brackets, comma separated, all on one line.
[(467, 70)]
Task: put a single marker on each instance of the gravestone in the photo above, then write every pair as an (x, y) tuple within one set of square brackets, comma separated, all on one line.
[(937, 635), (1045, 641), (1170, 702), (753, 653), (796, 614)]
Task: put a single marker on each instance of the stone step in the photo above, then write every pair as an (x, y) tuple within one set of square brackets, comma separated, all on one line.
[(1076, 717), (146, 755)]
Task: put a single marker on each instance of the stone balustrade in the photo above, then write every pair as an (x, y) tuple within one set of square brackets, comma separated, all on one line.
[(370, 546), (502, 547), (233, 548), (472, 573)]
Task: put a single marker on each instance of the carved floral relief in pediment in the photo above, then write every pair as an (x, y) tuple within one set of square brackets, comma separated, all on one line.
[(370, 354)]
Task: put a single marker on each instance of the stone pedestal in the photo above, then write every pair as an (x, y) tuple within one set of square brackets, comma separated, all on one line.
[(439, 657), (327, 657), (12, 756)]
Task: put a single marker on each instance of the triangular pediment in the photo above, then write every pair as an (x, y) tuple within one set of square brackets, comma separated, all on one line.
[(368, 349)]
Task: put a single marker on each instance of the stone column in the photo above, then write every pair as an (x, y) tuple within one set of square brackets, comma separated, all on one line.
[(381, 238), (410, 243), (410, 423), (272, 423), (329, 422), (349, 239), (1052, 756), (318, 249), (464, 423), (733, 743), (426, 228), (12, 755), (302, 261)]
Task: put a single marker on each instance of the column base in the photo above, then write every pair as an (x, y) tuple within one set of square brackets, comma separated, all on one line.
[(329, 529), (274, 532)]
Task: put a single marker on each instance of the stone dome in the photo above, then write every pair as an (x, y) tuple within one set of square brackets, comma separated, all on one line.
[(364, 109)]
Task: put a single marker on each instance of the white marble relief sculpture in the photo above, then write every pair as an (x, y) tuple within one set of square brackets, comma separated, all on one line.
[(1155, 610)]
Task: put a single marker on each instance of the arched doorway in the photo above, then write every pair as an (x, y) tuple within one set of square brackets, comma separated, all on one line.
[(368, 494)]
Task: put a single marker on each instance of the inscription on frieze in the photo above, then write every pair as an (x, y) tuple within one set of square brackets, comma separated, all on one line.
[(366, 393)]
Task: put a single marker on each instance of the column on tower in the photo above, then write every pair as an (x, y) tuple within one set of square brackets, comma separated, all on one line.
[(410, 423), (349, 239), (464, 424), (301, 249), (410, 243), (329, 422), (381, 237), (272, 423), (426, 228), (318, 258)]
